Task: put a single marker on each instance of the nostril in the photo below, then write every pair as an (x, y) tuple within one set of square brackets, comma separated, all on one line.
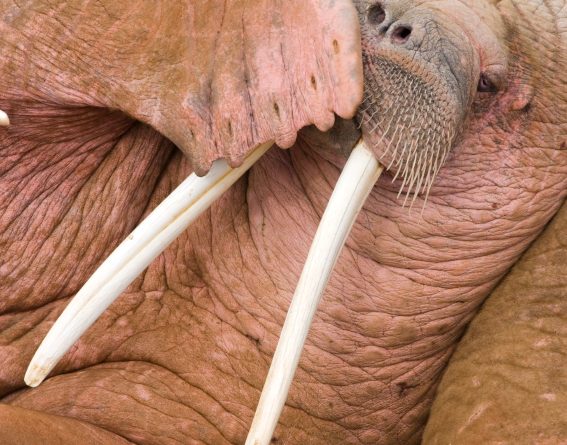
[(401, 34), (376, 14)]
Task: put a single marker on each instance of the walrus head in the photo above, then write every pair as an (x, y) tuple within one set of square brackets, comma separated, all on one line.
[(425, 63), (424, 67)]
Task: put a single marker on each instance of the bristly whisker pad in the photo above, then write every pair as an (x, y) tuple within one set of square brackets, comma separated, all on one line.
[(410, 118)]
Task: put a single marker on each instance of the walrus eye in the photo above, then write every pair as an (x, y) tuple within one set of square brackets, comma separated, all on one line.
[(486, 85), (376, 14)]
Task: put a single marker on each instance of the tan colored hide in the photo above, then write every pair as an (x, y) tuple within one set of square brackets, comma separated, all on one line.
[(507, 382), (30, 427)]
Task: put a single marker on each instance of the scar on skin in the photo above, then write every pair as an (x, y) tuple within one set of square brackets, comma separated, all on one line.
[(475, 415)]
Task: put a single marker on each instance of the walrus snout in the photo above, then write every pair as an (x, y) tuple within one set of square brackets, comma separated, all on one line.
[(421, 71)]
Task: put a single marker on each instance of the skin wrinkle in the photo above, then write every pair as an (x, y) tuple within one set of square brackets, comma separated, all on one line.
[(38, 235), (517, 330), (185, 404)]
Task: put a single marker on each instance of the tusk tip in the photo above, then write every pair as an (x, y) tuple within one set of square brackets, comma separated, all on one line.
[(36, 373), (130, 258), (4, 119)]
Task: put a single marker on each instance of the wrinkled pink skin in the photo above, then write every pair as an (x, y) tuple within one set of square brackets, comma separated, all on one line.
[(182, 355)]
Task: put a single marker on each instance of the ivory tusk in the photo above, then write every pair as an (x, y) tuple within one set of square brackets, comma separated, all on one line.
[(4, 119), (357, 179), (131, 257)]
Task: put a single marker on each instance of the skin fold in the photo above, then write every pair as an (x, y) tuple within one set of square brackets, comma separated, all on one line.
[(507, 380), (182, 355), (173, 65)]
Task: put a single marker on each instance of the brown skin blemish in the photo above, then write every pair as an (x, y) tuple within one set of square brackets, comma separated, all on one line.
[(336, 46), (277, 108), (230, 128), (313, 82)]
